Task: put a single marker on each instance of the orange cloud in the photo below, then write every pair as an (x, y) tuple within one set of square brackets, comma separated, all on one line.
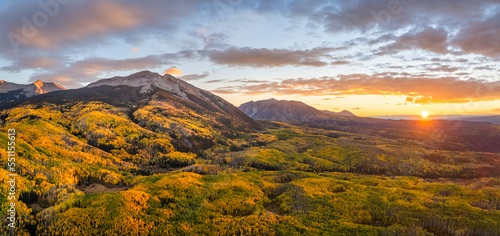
[(92, 18), (135, 50), (33, 62), (173, 71), (418, 90)]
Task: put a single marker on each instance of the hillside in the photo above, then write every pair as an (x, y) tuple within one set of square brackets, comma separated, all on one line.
[(195, 118)]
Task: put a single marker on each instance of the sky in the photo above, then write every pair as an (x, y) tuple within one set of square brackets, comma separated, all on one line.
[(373, 57)]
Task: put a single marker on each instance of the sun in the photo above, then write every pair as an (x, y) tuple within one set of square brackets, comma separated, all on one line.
[(425, 114)]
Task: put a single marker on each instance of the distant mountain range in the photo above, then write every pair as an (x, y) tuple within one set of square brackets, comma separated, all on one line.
[(10, 92), (493, 119), (286, 111)]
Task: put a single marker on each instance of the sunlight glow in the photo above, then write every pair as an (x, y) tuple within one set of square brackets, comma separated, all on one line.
[(425, 114)]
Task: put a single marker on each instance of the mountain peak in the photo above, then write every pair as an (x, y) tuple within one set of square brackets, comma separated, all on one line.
[(144, 73), (46, 87), (143, 79), (13, 92), (346, 113), (38, 83)]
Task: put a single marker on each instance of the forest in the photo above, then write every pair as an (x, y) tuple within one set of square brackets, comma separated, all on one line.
[(91, 168)]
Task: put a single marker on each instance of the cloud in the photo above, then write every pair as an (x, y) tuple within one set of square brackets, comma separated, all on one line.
[(222, 91), (262, 57), (215, 40), (481, 37), (41, 62), (337, 63), (193, 77), (173, 71), (249, 81), (330, 99), (214, 81), (54, 24), (444, 68), (89, 70), (486, 67), (338, 16), (73, 21), (82, 28), (82, 22), (383, 39), (419, 90), (430, 39), (135, 50), (95, 66), (478, 29)]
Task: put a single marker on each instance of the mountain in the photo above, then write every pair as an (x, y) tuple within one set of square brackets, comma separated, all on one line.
[(153, 83), (288, 111), (342, 113), (495, 119), (16, 92), (192, 118), (280, 110), (147, 81)]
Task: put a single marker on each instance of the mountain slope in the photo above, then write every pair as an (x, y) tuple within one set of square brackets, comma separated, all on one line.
[(287, 111), (192, 118), (148, 83)]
